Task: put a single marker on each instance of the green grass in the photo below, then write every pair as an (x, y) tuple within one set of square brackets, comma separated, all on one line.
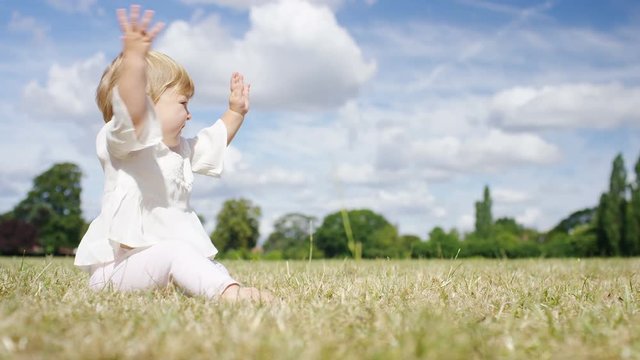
[(462, 309)]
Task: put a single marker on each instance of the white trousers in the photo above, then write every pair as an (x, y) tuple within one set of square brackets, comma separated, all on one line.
[(158, 265)]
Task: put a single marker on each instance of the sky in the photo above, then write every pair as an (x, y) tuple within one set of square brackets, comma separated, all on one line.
[(407, 108)]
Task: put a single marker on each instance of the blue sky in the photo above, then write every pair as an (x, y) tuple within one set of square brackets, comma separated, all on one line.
[(405, 107)]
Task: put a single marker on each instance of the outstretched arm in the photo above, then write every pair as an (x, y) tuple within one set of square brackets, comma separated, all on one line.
[(238, 105), (136, 42)]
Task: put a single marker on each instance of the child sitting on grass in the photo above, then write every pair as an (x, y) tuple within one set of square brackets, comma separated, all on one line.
[(147, 235)]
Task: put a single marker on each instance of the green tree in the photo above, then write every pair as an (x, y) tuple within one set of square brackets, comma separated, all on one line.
[(484, 219), (574, 236), (290, 236), (237, 225), (629, 230), (605, 246), (508, 225), (443, 245), (410, 243), (378, 237), (611, 211), (580, 242), (633, 214), (473, 245), (384, 242), (575, 219), (53, 207), (421, 250)]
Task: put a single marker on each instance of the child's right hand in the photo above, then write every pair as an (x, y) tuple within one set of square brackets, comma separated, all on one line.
[(135, 38), (136, 42)]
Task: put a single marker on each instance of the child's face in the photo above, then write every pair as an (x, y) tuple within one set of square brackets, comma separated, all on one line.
[(173, 114)]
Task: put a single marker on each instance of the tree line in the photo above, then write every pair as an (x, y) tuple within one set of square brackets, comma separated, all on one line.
[(49, 221)]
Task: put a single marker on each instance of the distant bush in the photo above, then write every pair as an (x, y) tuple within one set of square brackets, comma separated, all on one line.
[(17, 237), (239, 254), (581, 243)]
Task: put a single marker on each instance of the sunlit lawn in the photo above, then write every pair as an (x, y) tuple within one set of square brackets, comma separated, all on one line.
[(456, 309)]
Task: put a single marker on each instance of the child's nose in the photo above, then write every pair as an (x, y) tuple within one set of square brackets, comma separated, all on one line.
[(188, 115)]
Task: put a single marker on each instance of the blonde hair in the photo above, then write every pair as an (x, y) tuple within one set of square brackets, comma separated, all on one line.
[(162, 73)]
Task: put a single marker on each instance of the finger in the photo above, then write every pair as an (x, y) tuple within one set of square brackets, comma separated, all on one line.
[(236, 90), (146, 19), (134, 13), (240, 82), (233, 80), (122, 20), (246, 90), (155, 30)]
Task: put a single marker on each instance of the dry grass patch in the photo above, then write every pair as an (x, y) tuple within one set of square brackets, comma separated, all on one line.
[(461, 309)]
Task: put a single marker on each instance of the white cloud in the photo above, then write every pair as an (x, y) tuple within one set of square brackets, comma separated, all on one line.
[(308, 143), (441, 58), (72, 6), (69, 92), (509, 196), (530, 217), (295, 55), (566, 106), (408, 199), (248, 4), (272, 177), (400, 201), (253, 180), (484, 153), (364, 174), (350, 115), (240, 174), (466, 222), (439, 212), (355, 173), (493, 7), (28, 24), (233, 160)]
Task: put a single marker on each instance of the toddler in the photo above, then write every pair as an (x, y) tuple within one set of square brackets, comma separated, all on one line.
[(146, 235)]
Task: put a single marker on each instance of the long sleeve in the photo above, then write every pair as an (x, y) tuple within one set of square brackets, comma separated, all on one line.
[(208, 148), (121, 134)]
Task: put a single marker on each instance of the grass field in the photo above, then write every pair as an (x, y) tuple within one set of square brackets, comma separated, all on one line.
[(457, 309)]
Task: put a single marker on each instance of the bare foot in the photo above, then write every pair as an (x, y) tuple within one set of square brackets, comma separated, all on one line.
[(236, 293)]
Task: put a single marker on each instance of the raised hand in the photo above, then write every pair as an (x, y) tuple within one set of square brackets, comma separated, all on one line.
[(239, 98), (135, 37), (136, 42)]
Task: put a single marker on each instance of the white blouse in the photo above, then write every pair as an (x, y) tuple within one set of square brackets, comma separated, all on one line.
[(147, 186)]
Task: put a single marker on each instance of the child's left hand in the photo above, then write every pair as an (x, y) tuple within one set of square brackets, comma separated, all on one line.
[(239, 98)]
